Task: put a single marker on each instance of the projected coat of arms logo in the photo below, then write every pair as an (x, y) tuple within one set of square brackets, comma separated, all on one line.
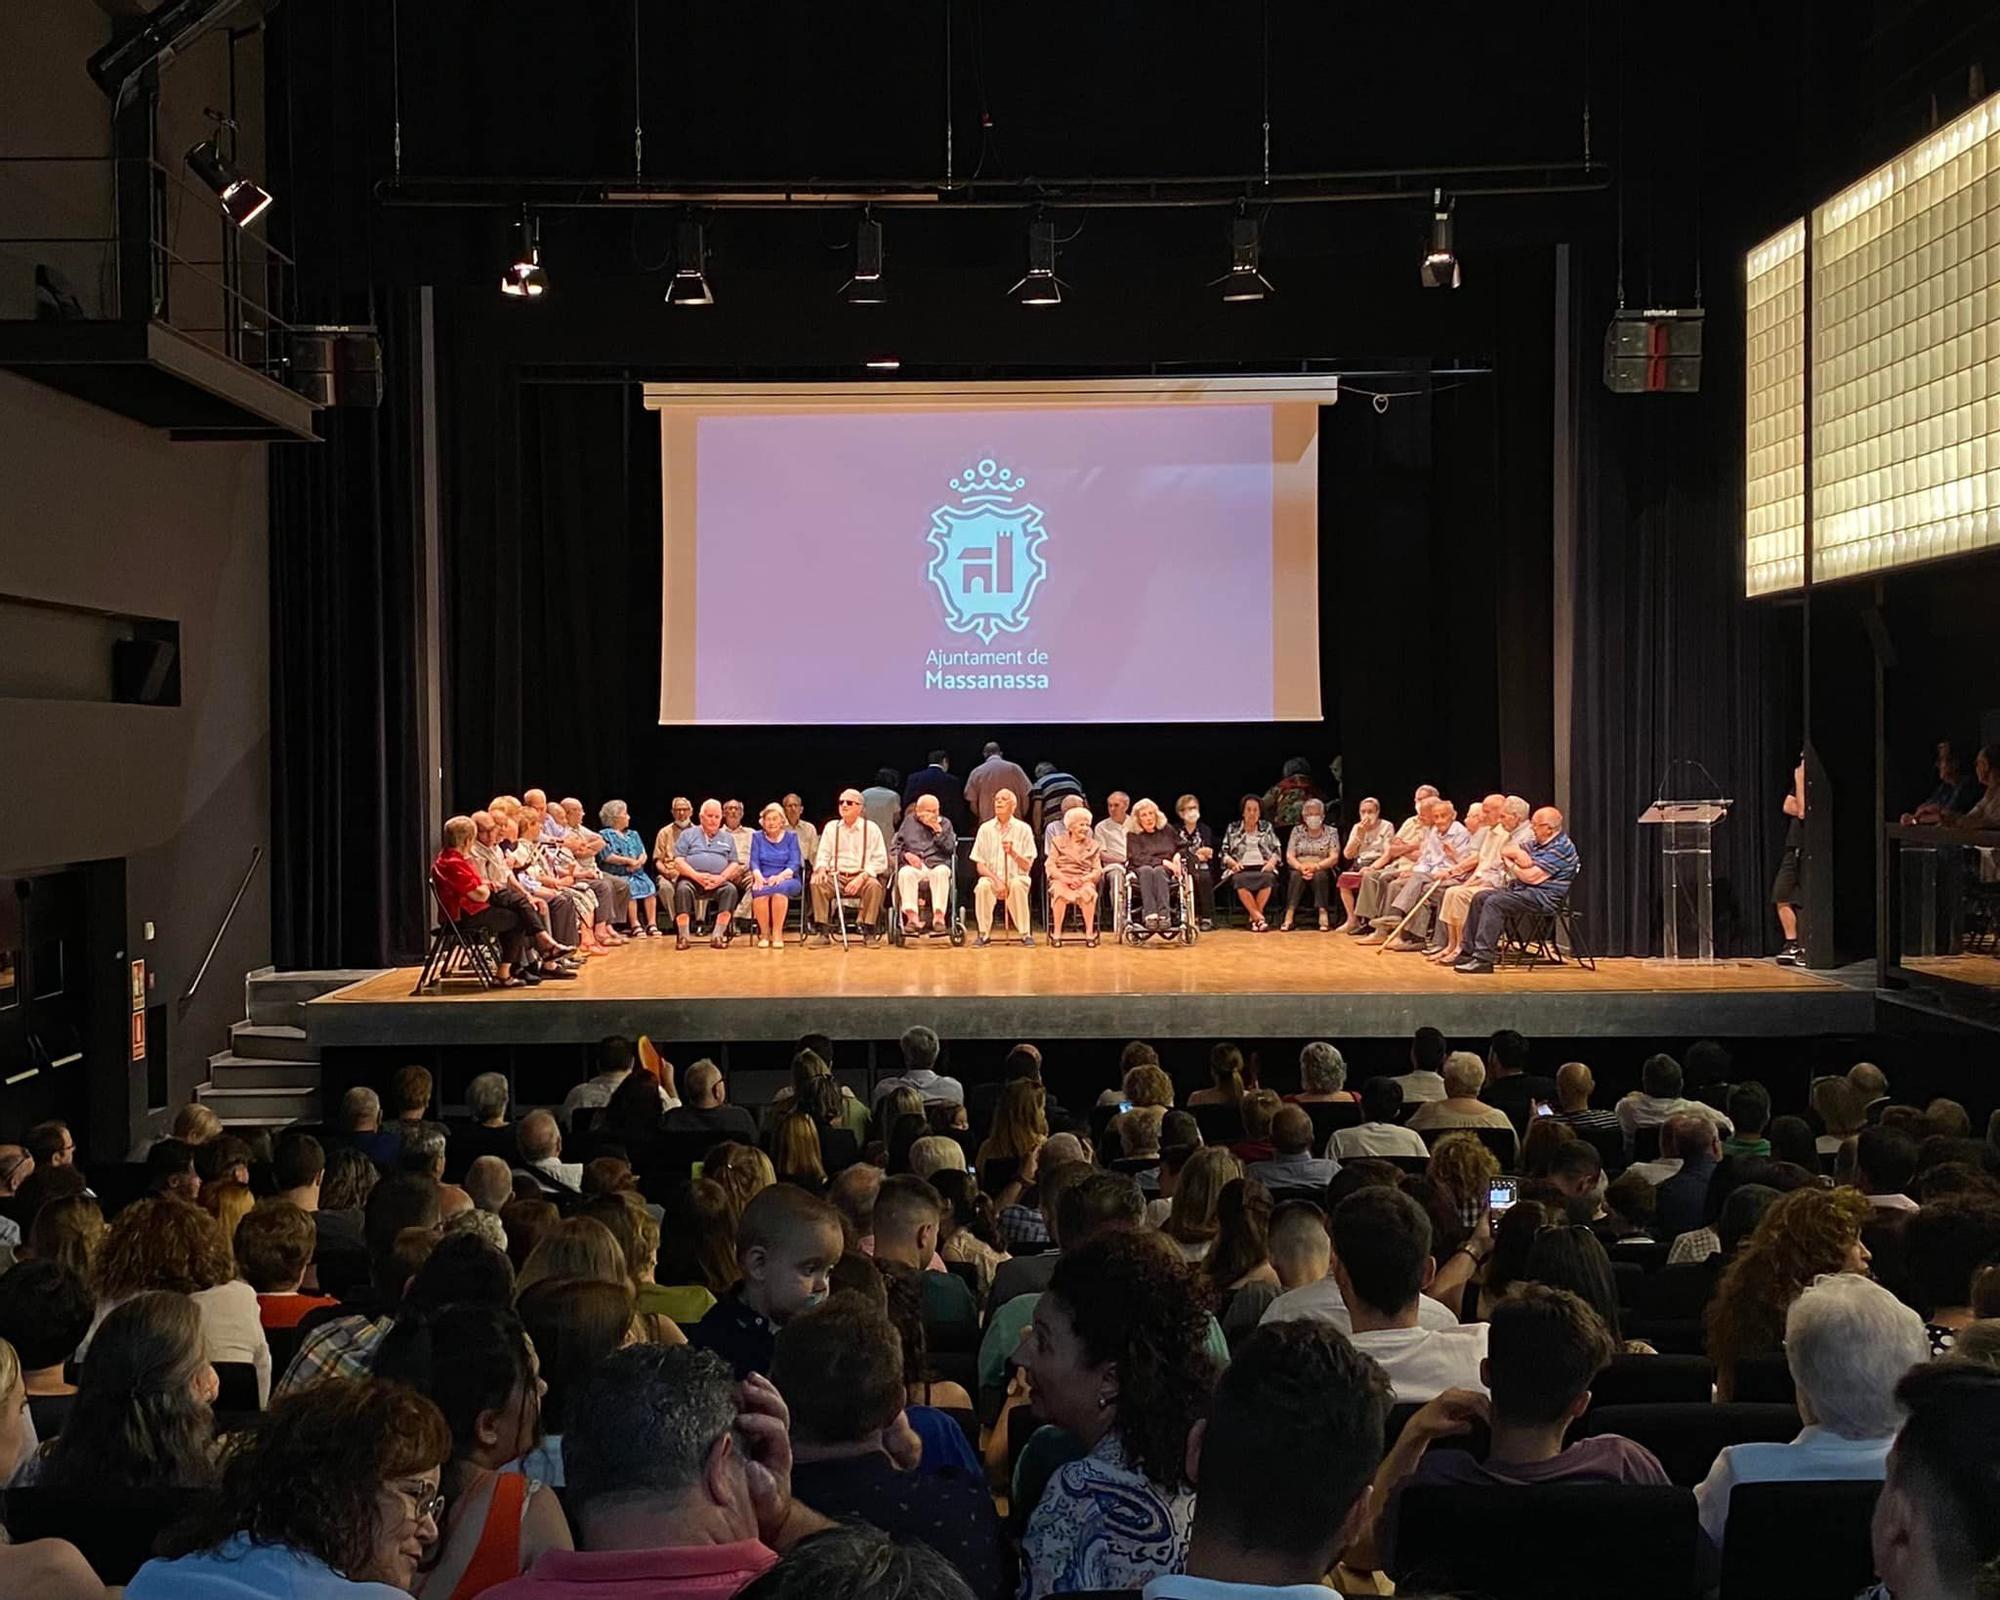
[(988, 562)]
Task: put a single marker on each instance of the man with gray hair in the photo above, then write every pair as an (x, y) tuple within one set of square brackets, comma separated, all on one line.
[(1848, 1343), (706, 1108), (1380, 882), (920, 1057), (490, 1182), (680, 1480), (705, 867), (540, 1139), (1542, 873)]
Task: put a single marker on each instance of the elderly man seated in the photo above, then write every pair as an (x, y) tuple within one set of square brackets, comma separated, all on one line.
[(1482, 869), (1380, 882), (853, 861), (1443, 844), (555, 959), (587, 845), (1111, 851), (705, 863), (1003, 854), (1542, 875), (663, 841), (926, 852)]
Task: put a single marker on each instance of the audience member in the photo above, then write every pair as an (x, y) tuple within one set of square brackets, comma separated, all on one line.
[(274, 1248), (1750, 1111), (840, 1369), (1292, 1164), (476, 1364), (1191, 1223), (524, 1222), (920, 1050), (169, 1170), (1282, 1463), (1659, 1097), (48, 1569), (1238, 1267), (1119, 1357), (1848, 1343), (572, 1326), (1460, 1106), (142, 1417), (1945, 1243), (333, 1495), (853, 1561), (1792, 1141), (1381, 1265), (1545, 1349), (1936, 1529), (1682, 1199), (1802, 1236), (1575, 1084), (1425, 1079), (539, 1138), (907, 1216), (1379, 1133), (45, 1310), (1510, 1087), (1841, 1111), (680, 1479), (705, 1107), (343, 1345), (1322, 1073), (489, 1133), (786, 1244)]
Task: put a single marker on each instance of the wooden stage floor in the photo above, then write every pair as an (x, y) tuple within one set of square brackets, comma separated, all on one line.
[(1231, 984)]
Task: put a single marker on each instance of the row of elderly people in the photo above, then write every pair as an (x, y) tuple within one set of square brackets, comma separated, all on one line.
[(1445, 886)]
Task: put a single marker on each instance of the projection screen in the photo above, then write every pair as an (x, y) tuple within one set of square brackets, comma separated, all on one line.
[(1133, 550)]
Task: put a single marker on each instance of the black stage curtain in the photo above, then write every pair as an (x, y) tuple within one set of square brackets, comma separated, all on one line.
[(1671, 663), (348, 852)]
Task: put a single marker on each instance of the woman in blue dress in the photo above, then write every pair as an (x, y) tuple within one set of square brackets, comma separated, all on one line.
[(624, 856), (775, 872)]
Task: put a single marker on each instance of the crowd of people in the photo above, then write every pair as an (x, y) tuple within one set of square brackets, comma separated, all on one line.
[(551, 892), (960, 1340)]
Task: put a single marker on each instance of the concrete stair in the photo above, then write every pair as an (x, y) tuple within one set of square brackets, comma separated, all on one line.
[(269, 1075)]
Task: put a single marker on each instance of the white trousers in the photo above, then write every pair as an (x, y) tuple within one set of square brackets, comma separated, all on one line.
[(910, 879), (984, 900)]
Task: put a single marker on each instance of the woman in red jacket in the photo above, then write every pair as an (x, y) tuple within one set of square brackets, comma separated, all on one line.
[(465, 897)]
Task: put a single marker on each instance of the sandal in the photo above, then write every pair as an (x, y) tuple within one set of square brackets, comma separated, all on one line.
[(1286, 925), (1090, 941)]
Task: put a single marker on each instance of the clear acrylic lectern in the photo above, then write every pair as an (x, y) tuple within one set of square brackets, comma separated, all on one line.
[(1688, 931)]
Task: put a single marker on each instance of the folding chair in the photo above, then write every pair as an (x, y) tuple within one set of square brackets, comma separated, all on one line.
[(1529, 938), (452, 955), (842, 900)]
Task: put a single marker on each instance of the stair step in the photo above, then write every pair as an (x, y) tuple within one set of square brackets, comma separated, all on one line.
[(278, 999), (265, 1042), (230, 1071), (260, 1107)]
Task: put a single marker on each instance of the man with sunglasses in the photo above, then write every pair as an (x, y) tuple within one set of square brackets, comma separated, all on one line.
[(853, 860)]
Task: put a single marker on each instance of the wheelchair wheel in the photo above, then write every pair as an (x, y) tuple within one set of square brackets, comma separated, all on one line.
[(1188, 931), (896, 934), (958, 932)]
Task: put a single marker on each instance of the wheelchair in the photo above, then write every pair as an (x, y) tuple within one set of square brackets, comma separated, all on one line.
[(1181, 922), (954, 915)]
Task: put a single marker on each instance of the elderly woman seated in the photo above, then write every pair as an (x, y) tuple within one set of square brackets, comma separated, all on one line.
[(1153, 859), (624, 858), (1076, 868), (1250, 859), (1848, 1342), (1313, 854)]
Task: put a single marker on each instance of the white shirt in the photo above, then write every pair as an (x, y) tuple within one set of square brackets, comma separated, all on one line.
[(986, 847), (1375, 1139), (1638, 1111), (1321, 1302), (1180, 1586), (851, 847), (1816, 1455), (567, 1173), (596, 1093), (1421, 1085), (1424, 1362), (1111, 840), (231, 1330), (1656, 1172)]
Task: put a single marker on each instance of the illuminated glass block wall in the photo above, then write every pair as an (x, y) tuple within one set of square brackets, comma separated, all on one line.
[(1774, 455), (1905, 435)]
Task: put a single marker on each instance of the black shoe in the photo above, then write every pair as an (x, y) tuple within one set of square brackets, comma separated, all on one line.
[(559, 972), (1473, 964), (983, 940), (823, 937), (1028, 939), (1207, 925), (529, 978), (1792, 955), (871, 939)]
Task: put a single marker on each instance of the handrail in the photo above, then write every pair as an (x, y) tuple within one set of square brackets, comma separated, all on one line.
[(228, 916)]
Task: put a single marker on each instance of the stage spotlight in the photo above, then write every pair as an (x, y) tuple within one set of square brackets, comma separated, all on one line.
[(1040, 287), (1245, 280), (689, 286), (243, 200), (1440, 268), (866, 287), (524, 277)]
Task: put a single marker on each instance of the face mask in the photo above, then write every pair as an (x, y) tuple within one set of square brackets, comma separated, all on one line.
[(1190, 819)]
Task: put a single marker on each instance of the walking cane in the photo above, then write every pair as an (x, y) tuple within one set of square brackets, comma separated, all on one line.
[(1431, 889)]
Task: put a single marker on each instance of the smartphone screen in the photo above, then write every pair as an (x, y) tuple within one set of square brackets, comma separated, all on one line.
[(1543, 1109), (1124, 1105), (1500, 1196)]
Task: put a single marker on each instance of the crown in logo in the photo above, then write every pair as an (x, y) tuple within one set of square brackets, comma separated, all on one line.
[(987, 478)]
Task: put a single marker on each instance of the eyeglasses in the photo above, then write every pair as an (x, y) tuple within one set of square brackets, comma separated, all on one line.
[(423, 1506)]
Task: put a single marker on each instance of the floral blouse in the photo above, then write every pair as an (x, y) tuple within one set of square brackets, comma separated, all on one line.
[(1102, 1524)]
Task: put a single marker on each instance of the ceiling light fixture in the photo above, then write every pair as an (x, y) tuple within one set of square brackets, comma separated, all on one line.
[(1040, 287), (524, 278), (1245, 279), (243, 199), (1440, 268), (866, 287), (689, 286)]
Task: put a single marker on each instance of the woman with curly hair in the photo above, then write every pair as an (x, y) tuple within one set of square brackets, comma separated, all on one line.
[(142, 1417), (1191, 1223), (638, 1236), (1804, 1234), (167, 1243), (1020, 1128), (350, 1179), (476, 1363), (743, 1171), (1467, 1168), (1118, 1355), (68, 1232), (333, 1494)]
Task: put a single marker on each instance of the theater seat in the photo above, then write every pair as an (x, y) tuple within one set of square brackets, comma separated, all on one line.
[(1548, 1542), (1764, 1378), (1798, 1541), (1688, 1437), (1653, 1380), (114, 1529)]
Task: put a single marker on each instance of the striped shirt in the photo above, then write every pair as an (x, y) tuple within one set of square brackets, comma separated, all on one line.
[(1558, 858)]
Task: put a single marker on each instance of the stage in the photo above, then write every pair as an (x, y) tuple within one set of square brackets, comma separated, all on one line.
[(1233, 984)]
